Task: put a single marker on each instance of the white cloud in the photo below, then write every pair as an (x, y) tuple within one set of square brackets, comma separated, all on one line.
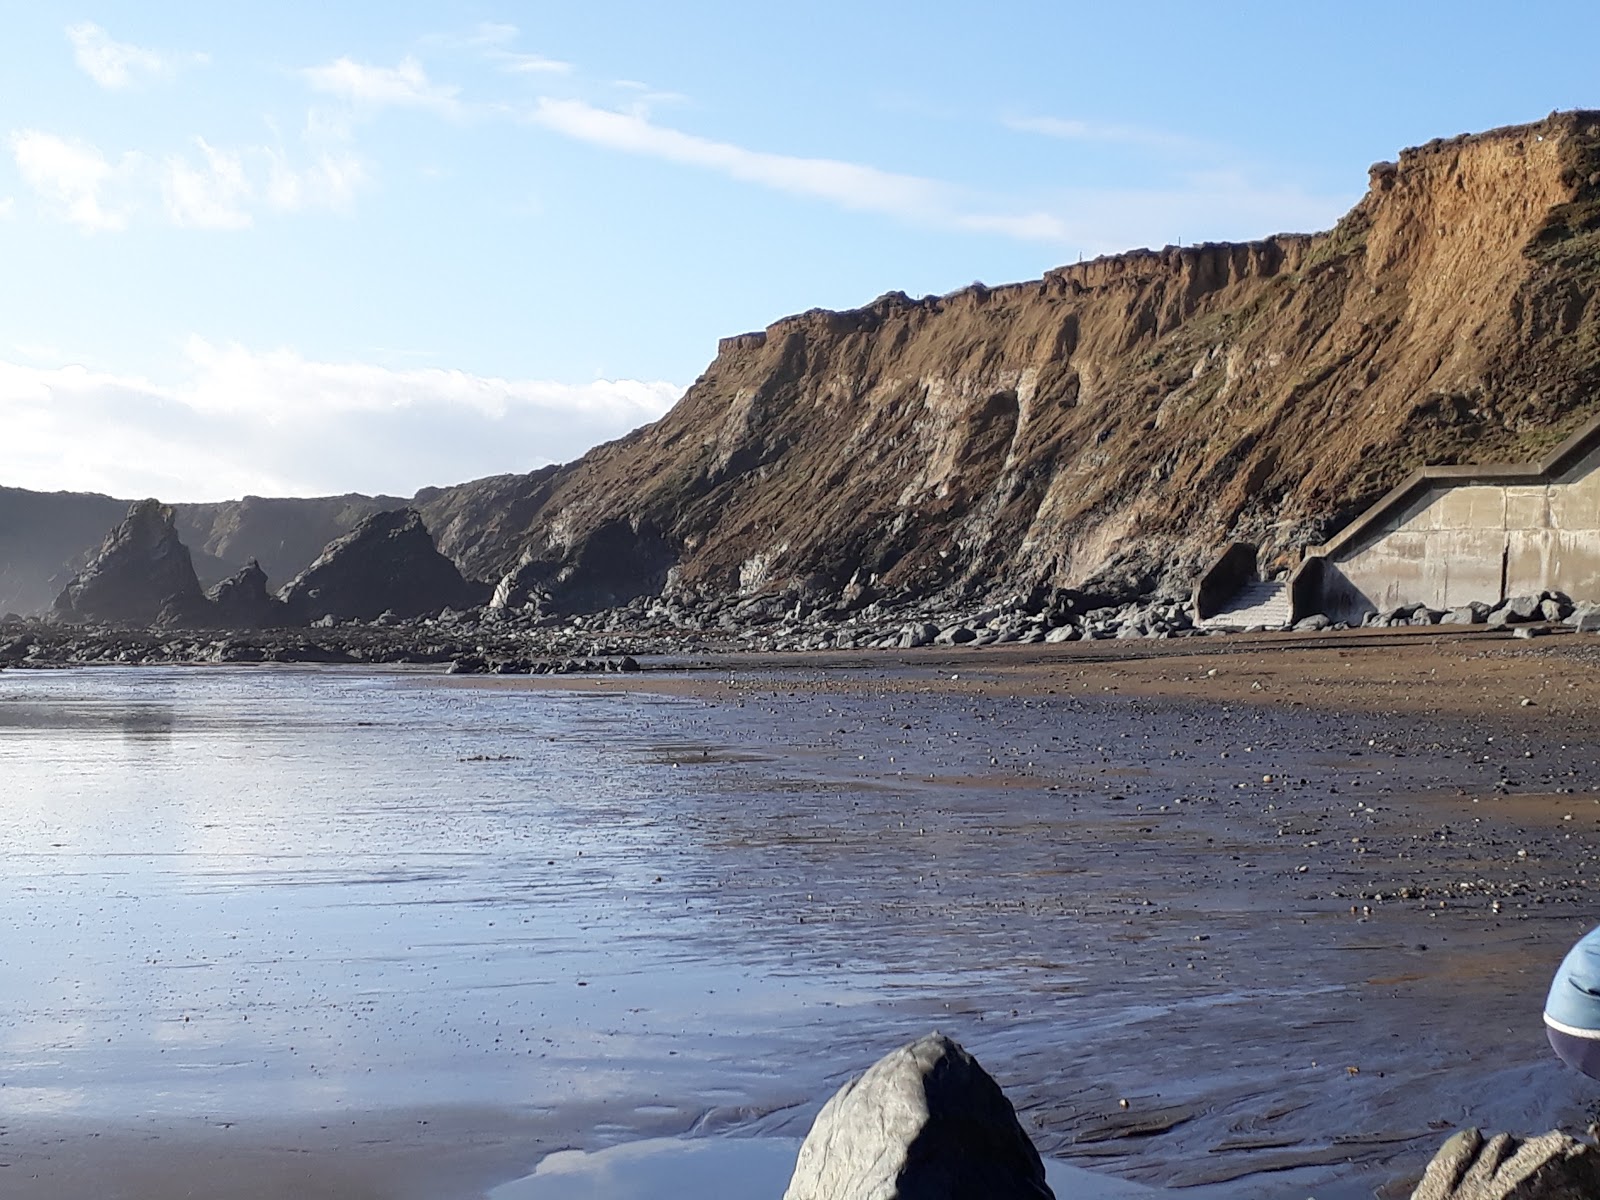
[(1069, 129), (849, 185), (331, 181), (364, 86), (531, 64), (211, 196), (114, 64), (219, 188), (8, 207), (493, 40), (74, 178), (276, 423)]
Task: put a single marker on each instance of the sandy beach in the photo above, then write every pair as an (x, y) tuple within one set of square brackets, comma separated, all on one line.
[(1295, 900)]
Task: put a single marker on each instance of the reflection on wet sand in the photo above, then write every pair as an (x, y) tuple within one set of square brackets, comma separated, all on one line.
[(340, 894)]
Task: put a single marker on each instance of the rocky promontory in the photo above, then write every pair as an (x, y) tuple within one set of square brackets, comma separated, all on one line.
[(386, 564), (142, 575)]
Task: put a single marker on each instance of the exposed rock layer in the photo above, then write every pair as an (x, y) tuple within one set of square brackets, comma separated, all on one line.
[(1109, 426)]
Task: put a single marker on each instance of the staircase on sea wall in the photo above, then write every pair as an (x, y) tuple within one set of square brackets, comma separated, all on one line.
[(1256, 603)]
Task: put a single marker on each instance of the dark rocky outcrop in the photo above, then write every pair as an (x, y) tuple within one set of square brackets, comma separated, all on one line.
[(619, 562), (388, 563), (242, 601), (45, 537), (1552, 1166), (142, 575), (925, 1122)]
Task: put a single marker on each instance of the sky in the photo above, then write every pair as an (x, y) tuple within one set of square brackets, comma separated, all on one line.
[(304, 249)]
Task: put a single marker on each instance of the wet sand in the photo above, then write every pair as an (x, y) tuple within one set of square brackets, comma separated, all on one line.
[(1296, 901)]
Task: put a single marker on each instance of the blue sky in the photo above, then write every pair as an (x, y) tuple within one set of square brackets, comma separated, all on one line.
[(300, 248)]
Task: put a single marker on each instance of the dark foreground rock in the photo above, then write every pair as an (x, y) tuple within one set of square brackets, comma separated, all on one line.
[(242, 601), (1551, 1166), (924, 1122), (141, 575), (387, 564)]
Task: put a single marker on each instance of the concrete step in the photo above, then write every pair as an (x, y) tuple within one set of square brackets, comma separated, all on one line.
[(1259, 603)]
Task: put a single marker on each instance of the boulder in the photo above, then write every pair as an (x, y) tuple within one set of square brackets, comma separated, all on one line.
[(388, 563), (1551, 1166), (1516, 610), (141, 575), (242, 601), (924, 1122), (1585, 618)]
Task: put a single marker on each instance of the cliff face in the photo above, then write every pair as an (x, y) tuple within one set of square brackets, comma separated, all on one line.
[(1110, 425)]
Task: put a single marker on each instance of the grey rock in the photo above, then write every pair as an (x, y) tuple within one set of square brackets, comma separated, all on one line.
[(1553, 610), (242, 601), (1585, 618), (956, 635), (1551, 1166), (141, 575), (1313, 623), (925, 1122), (1528, 631), (1063, 633), (388, 563), (1467, 614), (1515, 610)]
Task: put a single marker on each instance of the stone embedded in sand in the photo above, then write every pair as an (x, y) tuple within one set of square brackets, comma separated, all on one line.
[(925, 1122), (1552, 1166), (141, 575)]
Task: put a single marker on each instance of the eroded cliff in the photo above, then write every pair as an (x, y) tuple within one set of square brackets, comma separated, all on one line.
[(1108, 426)]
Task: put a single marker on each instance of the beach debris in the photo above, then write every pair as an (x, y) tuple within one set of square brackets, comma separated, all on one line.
[(925, 1122), (1552, 1166)]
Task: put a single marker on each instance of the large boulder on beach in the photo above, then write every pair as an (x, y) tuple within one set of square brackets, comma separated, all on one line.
[(388, 563), (1551, 1166), (141, 575), (924, 1122)]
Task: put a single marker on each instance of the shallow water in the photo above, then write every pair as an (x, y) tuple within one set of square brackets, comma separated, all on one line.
[(734, 1169), (252, 891), (237, 894)]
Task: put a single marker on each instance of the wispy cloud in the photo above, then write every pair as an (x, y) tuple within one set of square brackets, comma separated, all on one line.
[(211, 196), (114, 64), (210, 188), (1073, 130), (8, 207), (848, 185), (277, 423), (372, 87), (74, 179), (494, 41)]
